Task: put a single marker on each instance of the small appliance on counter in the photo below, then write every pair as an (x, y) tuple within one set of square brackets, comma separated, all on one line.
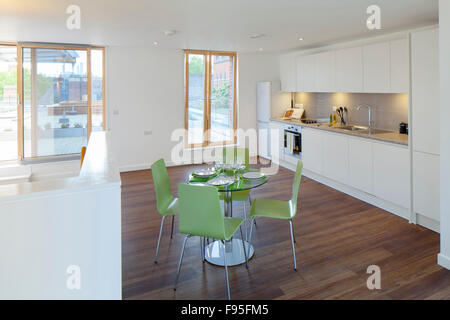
[(293, 114), (403, 128)]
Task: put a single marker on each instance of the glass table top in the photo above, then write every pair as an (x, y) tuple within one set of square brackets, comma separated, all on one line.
[(237, 182)]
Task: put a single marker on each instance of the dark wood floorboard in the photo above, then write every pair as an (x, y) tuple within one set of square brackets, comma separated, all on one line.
[(338, 237)]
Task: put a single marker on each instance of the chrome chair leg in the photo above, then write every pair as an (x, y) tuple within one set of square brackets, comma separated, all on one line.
[(251, 231), (250, 201), (226, 268), (293, 232), (171, 230), (293, 247), (159, 239), (202, 248), (245, 222), (243, 245), (179, 263)]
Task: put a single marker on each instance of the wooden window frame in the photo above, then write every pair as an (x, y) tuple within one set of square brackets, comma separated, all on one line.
[(207, 98), (20, 120)]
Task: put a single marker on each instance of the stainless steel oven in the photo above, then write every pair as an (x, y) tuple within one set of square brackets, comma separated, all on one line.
[(293, 140)]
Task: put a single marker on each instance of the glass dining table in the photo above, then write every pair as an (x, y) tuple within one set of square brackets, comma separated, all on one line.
[(228, 183)]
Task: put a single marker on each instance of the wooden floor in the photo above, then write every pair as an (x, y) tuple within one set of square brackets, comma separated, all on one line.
[(338, 237)]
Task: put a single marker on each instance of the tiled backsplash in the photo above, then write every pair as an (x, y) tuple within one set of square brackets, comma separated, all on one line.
[(388, 110)]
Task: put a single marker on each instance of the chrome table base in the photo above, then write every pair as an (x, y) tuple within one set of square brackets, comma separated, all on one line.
[(233, 250)]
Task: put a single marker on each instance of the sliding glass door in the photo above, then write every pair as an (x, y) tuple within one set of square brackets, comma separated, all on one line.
[(55, 101), (8, 102), (51, 98)]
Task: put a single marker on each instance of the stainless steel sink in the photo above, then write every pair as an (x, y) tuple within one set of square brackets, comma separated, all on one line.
[(354, 128), (375, 131), (362, 129)]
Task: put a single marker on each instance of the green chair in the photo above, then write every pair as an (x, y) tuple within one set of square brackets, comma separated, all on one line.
[(201, 215), (279, 209), (166, 203)]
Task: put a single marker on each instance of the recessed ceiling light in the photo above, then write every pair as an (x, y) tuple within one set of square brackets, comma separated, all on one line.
[(257, 36), (155, 43), (300, 39), (261, 49)]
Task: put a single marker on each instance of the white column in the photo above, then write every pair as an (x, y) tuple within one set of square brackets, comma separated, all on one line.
[(444, 56)]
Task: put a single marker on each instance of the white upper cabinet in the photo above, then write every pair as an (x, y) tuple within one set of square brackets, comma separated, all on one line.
[(399, 66), (299, 69), (377, 74), (306, 73), (288, 73), (349, 70), (373, 68), (325, 72), (425, 90)]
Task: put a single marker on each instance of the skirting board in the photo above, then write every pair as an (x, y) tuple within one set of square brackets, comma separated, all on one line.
[(443, 261), (428, 223)]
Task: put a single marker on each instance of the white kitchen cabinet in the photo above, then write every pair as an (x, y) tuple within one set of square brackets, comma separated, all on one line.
[(377, 73), (306, 73), (325, 76), (426, 185), (288, 72), (276, 136), (312, 150), (349, 70), (399, 66), (425, 90), (391, 167), (335, 160), (360, 164)]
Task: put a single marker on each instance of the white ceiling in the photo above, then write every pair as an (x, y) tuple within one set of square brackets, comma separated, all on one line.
[(209, 24)]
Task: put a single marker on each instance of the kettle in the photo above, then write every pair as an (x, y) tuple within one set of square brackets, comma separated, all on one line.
[(403, 128)]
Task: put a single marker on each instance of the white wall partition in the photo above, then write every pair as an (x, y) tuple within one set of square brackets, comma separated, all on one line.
[(51, 229)]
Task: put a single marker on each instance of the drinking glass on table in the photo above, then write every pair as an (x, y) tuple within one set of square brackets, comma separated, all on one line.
[(218, 165)]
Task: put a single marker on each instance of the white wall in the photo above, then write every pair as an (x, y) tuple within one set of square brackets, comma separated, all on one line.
[(252, 69), (146, 86), (444, 53)]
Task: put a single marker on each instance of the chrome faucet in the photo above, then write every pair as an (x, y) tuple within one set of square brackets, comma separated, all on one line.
[(370, 113)]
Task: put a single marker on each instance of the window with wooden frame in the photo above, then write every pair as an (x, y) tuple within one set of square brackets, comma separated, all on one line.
[(54, 94), (210, 98)]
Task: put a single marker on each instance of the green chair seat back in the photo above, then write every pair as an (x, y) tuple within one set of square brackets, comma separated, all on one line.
[(233, 154), (161, 182), (200, 211), (296, 185)]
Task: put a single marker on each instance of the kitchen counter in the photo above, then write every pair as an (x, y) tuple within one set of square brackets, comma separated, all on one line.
[(391, 136)]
